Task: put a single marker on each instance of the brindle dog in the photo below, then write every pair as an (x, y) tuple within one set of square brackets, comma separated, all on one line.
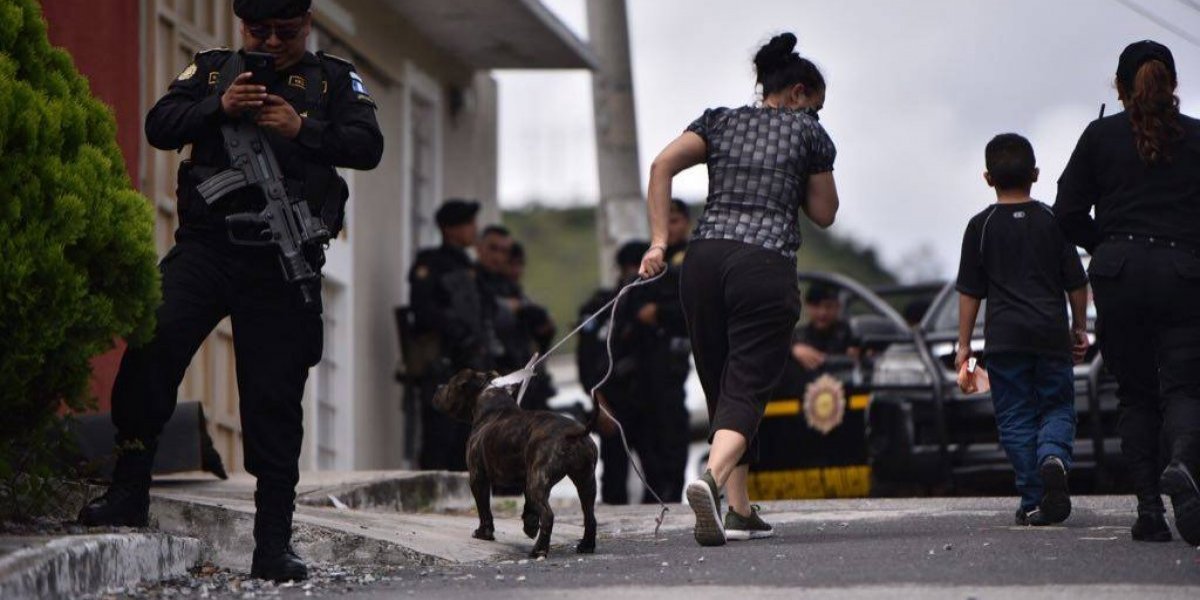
[(533, 449)]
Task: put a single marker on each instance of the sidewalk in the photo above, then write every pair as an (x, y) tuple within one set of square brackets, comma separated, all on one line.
[(388, 519), (381, 521)]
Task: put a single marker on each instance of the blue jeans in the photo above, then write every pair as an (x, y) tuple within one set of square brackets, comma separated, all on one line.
[(1034, 398)]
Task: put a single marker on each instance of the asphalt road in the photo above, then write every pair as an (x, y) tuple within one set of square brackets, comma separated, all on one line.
[(967, 550)]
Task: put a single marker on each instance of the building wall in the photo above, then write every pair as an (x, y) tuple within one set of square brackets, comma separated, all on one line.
[(81, 27), (471, 139), (393, 205)]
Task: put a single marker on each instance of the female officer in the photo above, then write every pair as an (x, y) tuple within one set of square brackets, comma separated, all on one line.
[(738, 288), (1139, 169)]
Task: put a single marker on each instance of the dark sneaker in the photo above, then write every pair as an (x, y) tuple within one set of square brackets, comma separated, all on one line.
[(278, 566), (704, 498), (1032, 518), (1055, 506), (1151, 527), (752, 527), (1179, 483), (122, 505)]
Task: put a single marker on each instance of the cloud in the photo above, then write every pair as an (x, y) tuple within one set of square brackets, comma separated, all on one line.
[(916, 90)]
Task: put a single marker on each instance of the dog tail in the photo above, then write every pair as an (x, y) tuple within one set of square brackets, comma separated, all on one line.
[(593, 421)]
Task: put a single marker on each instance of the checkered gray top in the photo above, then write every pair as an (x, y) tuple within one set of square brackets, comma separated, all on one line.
[(759, 160)]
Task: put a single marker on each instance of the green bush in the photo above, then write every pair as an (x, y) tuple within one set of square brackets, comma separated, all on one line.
[(76, 240)]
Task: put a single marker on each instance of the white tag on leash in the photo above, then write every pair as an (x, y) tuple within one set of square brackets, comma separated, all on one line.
[(520, 377)]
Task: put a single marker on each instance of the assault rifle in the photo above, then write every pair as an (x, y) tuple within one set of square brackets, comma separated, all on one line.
[(285, 222)]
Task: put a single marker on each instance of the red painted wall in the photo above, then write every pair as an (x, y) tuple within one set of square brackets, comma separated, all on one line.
[(104, 39)]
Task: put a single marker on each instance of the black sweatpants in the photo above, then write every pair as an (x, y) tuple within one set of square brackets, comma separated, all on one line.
[(741, 303), (1148, 302), (276, 340)]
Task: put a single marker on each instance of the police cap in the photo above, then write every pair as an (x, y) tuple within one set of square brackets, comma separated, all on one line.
[(456, 212), (820, 292), (1139, 53), (261, 10), (630, 253)]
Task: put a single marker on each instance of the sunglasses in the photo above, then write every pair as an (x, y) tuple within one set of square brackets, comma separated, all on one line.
[(262, 31)]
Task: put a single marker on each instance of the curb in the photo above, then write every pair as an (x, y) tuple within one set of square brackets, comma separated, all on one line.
[(227, 530), (69, 567)]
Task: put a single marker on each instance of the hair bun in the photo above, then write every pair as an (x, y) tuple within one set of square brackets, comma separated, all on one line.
[(777, 53)]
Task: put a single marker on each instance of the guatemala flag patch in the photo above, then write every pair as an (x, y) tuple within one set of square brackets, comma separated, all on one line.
[(356, 83)]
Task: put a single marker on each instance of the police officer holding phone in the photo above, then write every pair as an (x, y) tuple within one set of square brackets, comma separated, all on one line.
[(317, 116)]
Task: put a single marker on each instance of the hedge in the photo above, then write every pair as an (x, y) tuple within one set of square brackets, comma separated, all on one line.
[(77, 258)]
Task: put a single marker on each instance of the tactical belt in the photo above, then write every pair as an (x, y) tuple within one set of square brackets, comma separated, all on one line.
[(1154, 241)]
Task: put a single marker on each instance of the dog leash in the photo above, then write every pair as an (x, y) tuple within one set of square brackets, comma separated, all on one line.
[(521, 377)]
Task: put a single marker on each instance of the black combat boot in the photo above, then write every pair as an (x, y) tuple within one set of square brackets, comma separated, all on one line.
[(126, 503), (1151, 526), (274, 558), (1179, 482)]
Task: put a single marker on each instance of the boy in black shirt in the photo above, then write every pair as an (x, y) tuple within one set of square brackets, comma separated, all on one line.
[(1014, 255)]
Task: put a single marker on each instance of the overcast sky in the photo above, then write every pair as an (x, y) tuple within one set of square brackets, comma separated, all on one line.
[(916, 89)]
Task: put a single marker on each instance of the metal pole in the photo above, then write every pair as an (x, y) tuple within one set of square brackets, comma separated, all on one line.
[(621, 214)]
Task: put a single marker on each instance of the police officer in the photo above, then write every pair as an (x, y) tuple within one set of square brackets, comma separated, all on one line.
[(448, 303), (663, 365), (617, 395), (318, 116), (522, 326), (1137, 168), (826, 332)]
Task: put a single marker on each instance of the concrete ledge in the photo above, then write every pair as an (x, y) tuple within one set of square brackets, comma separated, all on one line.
[(343, 537), (399, 492), (71, 566), (226, 528)]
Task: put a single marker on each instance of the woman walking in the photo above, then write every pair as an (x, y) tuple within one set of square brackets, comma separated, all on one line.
[(766, 164), (1140, 169)]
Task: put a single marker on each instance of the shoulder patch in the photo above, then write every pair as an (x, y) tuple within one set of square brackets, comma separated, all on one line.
[(336, 59), (220, 49), (187, 73)]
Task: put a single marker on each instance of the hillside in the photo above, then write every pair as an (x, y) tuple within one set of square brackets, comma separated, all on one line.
[(563, 266)]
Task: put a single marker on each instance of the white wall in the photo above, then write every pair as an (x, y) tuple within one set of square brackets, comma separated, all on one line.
[(381, 235)]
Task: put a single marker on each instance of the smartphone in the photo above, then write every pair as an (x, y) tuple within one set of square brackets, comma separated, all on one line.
[(262, 65)]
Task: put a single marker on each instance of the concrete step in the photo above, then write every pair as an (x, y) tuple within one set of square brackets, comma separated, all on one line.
[(345, 537), (71, 566), (385, 491)]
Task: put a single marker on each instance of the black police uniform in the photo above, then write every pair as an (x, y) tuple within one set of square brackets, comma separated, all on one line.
[(592, 362), (520, 333), (663, 363), (206, 278), (1145, 275), (446, 299)]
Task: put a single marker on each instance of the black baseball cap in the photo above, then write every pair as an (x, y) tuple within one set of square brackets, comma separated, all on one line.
[(456, 212), (1139, 53), (261, 10), (630, 253), (820, 292)]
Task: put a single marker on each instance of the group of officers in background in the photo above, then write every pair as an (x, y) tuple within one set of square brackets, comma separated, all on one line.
[(467, 312), (471, 312)]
